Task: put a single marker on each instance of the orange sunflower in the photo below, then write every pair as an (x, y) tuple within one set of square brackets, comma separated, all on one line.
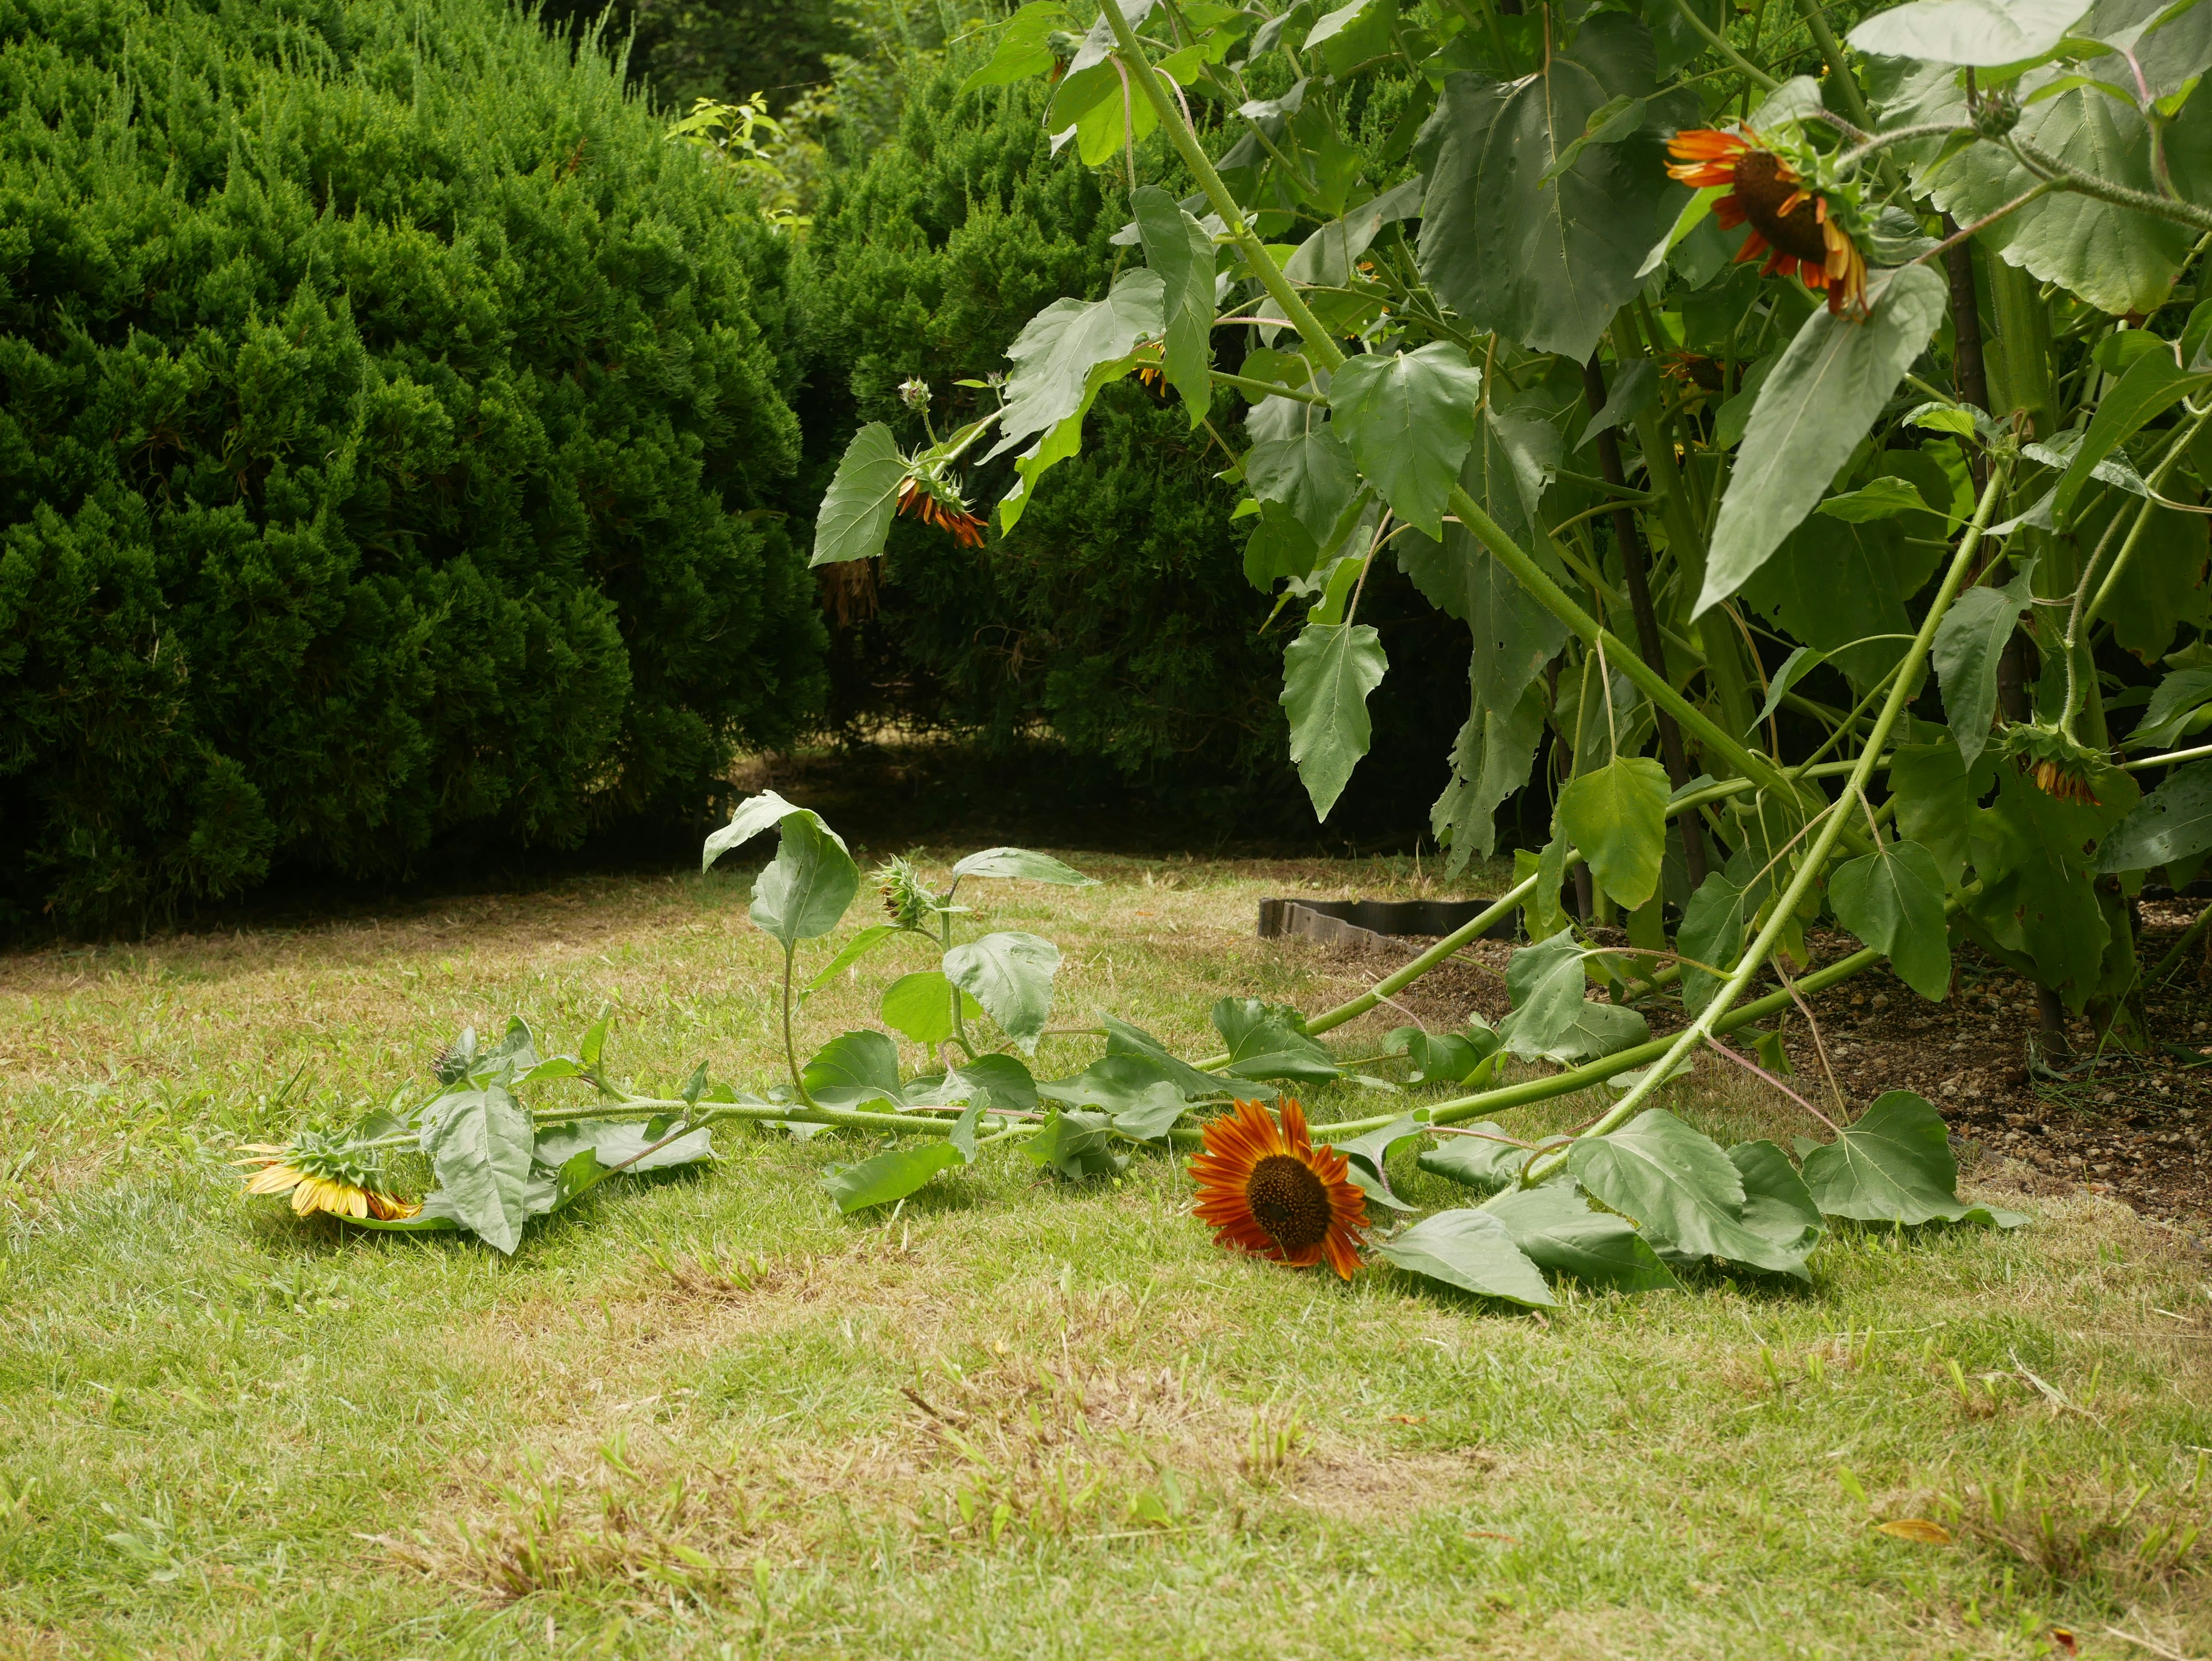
[(917, 501), (1268, 1188), (1789, 224)]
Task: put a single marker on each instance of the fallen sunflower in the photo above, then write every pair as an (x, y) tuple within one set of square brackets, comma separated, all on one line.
[(1266, 1188), (916, 500), (321, 1173), (1792, 223)]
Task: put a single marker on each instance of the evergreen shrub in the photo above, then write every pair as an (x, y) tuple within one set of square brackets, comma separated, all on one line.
[(391, 428)]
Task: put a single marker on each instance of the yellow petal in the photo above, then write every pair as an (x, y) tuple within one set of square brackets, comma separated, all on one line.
[(1918, 1530), (273, 1179)]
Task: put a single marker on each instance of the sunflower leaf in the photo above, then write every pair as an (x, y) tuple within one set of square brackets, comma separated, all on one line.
[(1182, 251), (1892, 899), (1473, 1250), (1811, 412), (1894, 1166), (1969, 643), (855, 515), (1555, 1227), (1983, 33), (890, 1177), (1616, 814), (1327, 673), (1269, 1041), (1682, 1188), (1409, 421), (480, 1145)]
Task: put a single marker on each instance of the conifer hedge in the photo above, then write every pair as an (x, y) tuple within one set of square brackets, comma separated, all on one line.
[(390, 425)]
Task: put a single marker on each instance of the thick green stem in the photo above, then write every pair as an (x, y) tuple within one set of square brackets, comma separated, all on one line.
[(1721, 46), (2046, 165), (2181, 441), (2172, 960), (1815, 857), (790, 1049)]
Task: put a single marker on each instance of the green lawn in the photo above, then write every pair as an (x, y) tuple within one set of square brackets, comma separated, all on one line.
[(705, 1416)]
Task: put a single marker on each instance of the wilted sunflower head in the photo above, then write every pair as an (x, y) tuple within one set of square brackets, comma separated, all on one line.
[(2058, 765), (910, 904), (1266, 1187), (936, 503), (1802, 222), (323, 1172)]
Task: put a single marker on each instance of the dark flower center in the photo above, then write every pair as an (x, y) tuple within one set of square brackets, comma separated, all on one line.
[(1289, 1202), (1762, 189)]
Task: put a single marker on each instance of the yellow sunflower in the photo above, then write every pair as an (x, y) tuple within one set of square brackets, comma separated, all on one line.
[(1266, 1188), (319, 1178), (1790, 222)]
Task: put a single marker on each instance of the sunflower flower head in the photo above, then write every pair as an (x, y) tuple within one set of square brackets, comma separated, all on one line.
[(1266, 1188), (323, 1172), (939, 504), (2058, 765), (1806, 221), (907, 902)]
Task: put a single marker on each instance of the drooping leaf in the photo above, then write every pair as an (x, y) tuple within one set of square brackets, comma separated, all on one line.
[(890, 1177), (1022, 52), (1969, 643), (1010, 974), (1076, 1144), (1490, 760), (1409, 419), (855, 515), (2173, 823), (1473, 1250), (1022, 865), (753, 815), (1810, 414), (1892, 899), (1514, 634), (1490, 1160), (1310, 475), (848, 954), (1055, 353), (810, 884), (1367, 1159), (623, 1145), (2179, 697), (1328, 672), (1554, 1226), (1934, 803), (1982, 32), (2034, 854), (480, 1144), (1124, 1039), (920, 1005), (1269, 1041), (1616, 814), (1894, 1166), (1711, 936), (1776, 1204), (1449, 242), (1547, 263), (1681, 1187), (853, 1069), (1545, 981), (1182, 251), (1841, 588)]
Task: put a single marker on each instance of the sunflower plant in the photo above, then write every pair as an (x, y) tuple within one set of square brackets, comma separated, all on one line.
[(1803, 408)]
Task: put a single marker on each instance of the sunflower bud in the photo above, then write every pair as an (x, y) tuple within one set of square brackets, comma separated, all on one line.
[(1995, 114), (914, 392), (909, 905)]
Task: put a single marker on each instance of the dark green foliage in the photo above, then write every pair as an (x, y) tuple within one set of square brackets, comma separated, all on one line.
[(1118, 613), (382, 404), (719, 49)]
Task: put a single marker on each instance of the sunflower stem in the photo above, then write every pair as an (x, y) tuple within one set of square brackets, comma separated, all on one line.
[(1720, 45)]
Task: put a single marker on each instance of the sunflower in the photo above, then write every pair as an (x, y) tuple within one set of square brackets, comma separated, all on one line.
[(920, 501), (1792, 223), (1268, 1189), (321, 1173), (2058, 765)]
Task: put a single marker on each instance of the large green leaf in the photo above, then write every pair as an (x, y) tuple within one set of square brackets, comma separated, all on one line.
[(920, 1005), (1055, 353), (1125, 1039), (1892, 899), (2154, 384), (1811, 412), (480, 1143), (1616, 815), (855, 515), (2174, 822), (1547, 263), (1022, 865), (890, 1177), (2118, 259), (1894, 1166), (1514, 634), (2161, 589), (1841, 588), (1076, 1145), (753, 815), (1473, 1250), (1312, 477), (1550, 1019), (1776, 1204), (1934, 803), (1182, 251), (1489, 1161), (1409, 419), (853, 1069), (1557, 1229), (1682, 1188), (806, 889), (1269, 1041), (623, 1145), (1983, 33), (1120, 1084), (1328, 672), (1010, 974), (1367, 1159), (1449, 248)]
